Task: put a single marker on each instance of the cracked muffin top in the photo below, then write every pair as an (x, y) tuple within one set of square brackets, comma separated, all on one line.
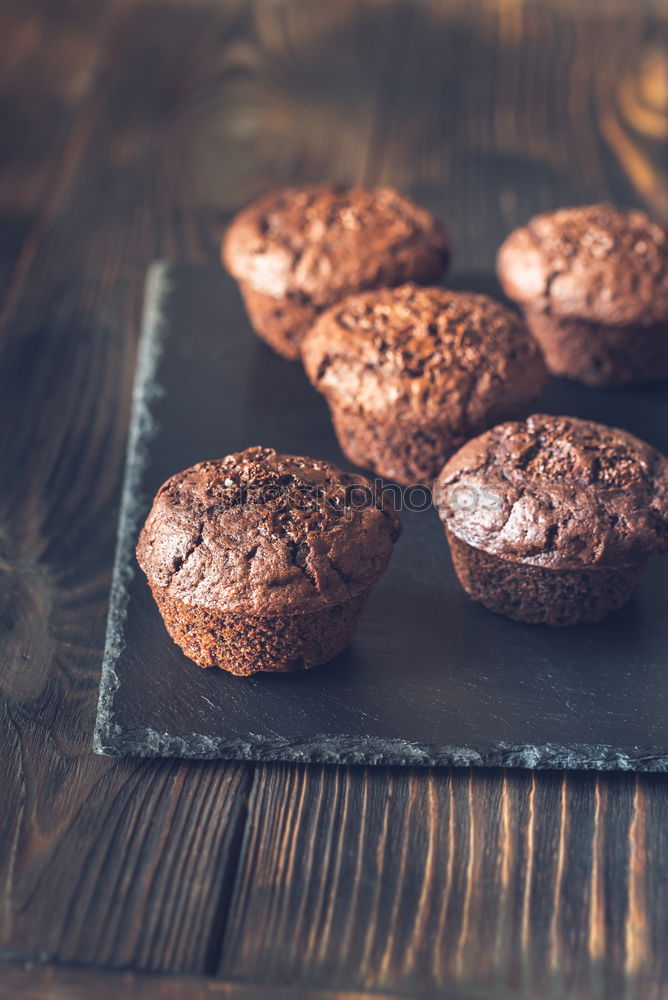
[(595, 263), (557, 492), (423, 354), (322, 242), (266, 534)]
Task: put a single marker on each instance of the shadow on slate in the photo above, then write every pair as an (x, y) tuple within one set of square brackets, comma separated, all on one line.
[(431, 677)]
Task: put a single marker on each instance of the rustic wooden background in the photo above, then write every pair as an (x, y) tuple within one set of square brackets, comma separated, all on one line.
[(132, 129)]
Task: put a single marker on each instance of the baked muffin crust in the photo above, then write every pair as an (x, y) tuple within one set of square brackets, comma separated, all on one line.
[(595, 263), (266, 534), (558, 492), (324, 241), (423, 353), (411, 373)]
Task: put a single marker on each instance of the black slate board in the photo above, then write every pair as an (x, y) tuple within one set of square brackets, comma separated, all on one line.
[(431, 678)]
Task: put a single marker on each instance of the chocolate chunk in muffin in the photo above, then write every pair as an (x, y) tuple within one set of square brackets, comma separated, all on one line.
[(412, 373), (261, 561), (554, 519), (296, 252), (593, 283)]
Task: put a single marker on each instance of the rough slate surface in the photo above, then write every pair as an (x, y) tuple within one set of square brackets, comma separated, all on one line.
[(431, 678)]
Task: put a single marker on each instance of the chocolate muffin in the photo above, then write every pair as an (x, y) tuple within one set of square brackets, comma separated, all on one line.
[(411, 373), (593, 283), (296, 252), (261, 561), (554, 519)]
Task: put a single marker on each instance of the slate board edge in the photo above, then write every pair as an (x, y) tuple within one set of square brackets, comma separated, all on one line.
[(142, 429), (328, 749)]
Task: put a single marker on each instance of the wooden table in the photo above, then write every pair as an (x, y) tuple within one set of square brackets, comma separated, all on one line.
[(133, 129)]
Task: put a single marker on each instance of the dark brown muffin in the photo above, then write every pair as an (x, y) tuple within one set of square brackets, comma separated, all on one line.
[(554, 519), (593, 282), (262, 562), (411, 373), (296, 252)]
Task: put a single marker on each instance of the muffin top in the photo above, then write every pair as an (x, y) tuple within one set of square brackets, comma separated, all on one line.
[(557, 492), (594, 263), (323, 242), (266, 534), (423, 355)]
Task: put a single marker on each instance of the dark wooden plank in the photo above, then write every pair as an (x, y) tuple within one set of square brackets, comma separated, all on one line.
[(35, 982), (531, 884), (507, 885), (52, 57), (367, 879), (101, 861)]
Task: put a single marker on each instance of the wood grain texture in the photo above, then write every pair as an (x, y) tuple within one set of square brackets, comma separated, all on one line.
[(35, 982), (520, 884), (51, 59), (137, 127)]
